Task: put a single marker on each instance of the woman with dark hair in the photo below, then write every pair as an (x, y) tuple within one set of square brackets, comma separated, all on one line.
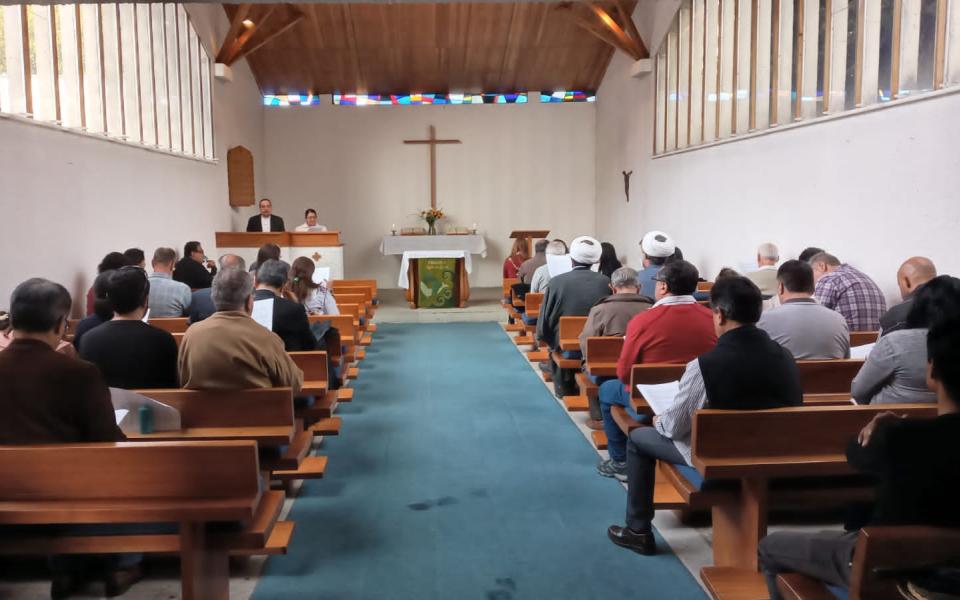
[(896, 369), (113, 260), (608, 259), (301, 288), (266, 252)]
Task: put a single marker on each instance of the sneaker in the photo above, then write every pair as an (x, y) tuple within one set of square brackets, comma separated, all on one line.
[(613, 468)]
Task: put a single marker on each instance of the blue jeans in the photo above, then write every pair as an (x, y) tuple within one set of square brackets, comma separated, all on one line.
[(613, 392)]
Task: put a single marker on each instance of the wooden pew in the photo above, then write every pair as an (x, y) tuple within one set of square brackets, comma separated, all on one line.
[(512, 324), (195, 484), (319, 417), (532, 302), (862, 338), (880, 555), (755, 447), (828, 376), (602, 356), (262, 415), (704, 286), (527, 335), (368, 287), (349, 338), (170, 324)]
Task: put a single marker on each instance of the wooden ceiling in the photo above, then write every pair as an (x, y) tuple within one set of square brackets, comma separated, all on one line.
[(429, 47)]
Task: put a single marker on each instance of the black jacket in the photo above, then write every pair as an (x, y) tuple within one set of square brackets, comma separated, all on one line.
[(572, 294), (132, 355), (289, 322), (276, 223), (193, 274)]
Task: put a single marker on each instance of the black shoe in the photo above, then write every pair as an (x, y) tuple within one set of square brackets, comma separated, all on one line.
[(118, 582), (640, 542), (64, 585)]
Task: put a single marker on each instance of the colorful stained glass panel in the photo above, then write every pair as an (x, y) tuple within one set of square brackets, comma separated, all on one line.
[(566, 96)]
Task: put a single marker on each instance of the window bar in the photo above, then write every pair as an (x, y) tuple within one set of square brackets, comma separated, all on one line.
[(203, 133), (193, 129), (676, 123), (103, 71), (858, 60), (720, 4), (123, 108), (735, 64), (153, 61), (775, 64), (940, 46), (80, 86), (689, 72), (798, 19), (827, 34), (703, 79), (136, 52), (176, 21), (754, 16), (213, 137), (895, 41), (27, 75), (656, 82), (166, 57), (55, 59)]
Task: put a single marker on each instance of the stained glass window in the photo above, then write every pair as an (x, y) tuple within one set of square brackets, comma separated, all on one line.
[(395, 99), (566, 96)]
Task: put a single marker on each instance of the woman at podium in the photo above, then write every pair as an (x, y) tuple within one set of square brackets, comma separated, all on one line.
[(311, 225)]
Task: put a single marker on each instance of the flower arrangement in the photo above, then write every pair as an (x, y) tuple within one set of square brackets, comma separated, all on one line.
[(431, 216)]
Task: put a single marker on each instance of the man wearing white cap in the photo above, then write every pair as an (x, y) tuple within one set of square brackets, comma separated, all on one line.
[(657, 247), (571, 294)]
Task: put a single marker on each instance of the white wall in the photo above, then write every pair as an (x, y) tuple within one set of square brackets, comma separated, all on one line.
[(874, 188), (519, 166), (69, 199)]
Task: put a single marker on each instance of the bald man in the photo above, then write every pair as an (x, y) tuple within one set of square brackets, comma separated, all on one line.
[(911, 276)]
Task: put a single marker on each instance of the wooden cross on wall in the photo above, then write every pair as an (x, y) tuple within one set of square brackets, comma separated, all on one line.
[(432, 141)]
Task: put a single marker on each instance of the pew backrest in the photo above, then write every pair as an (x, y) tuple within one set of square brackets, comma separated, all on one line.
[(862, 338), (602, 355), (828, 376), (508, 286), (568, 332), (271, 407), (170, 324), (885, 551), (312, 363), (532, 303)]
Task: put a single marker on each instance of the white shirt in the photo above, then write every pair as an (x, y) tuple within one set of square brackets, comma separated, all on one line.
[(672, 300), (306, 227), (265, 223)]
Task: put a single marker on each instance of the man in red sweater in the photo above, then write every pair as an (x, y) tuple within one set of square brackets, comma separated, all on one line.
[(675, 330)]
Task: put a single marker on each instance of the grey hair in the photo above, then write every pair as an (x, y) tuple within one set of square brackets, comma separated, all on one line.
[(541, 246), (556, 248), (231, 289), (825, 258), (768, 251), (232, 261), (624, 277), (273, 273)]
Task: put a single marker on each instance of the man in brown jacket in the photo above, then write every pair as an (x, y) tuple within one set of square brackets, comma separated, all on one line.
[(231, 351), (609, 318)]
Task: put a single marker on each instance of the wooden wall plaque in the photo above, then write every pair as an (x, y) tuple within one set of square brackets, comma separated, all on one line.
[(240, 176)]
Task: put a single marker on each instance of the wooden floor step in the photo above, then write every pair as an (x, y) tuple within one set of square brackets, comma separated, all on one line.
[(314, 388), (360, 354), (366, 340), (324, 406), (666, 497), (730, 583), (345, 394), (599, 439), (328, 426), (576, 403), (277, 543), (371, 327), (353, 372), (523, 340), (538, 356), (514, 327), (311, 467)]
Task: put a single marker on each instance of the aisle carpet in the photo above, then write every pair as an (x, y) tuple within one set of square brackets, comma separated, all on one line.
[(458, 476)]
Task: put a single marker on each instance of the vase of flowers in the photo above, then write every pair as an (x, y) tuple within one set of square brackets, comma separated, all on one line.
[(431, 216)]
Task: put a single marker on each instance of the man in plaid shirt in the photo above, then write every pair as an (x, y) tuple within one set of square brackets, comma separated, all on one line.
[(849, 292)]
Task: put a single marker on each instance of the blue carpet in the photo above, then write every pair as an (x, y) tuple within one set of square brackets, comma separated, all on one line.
[(458, 476)]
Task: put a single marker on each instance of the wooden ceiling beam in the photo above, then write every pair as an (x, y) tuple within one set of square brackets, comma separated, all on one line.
[(611, 24), (296, 15), (598, 31), (236, 28), (631, 28), (233, 53)]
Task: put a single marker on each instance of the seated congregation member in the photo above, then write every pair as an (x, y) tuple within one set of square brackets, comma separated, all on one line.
[(800, 324), (6, 337), (102, 309), (130, 353), (895, 370), (316, 298), (914, 463), (657, 247), (310, 222), (519, 253), (201, 306), (848, 291), (766, 274), (231, 351), (745, 371), (809, 253), (268, 251), (113, 260), (289, 317), (48, 398), (609, 317), (608, 259), (675, 330), (168, 298), (911, 276), (571, 294), (136, 257), (192, 268), (266, 220), (529, 266), (541, 277)]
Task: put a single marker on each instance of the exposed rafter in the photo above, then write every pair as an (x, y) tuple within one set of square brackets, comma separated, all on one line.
[(247, 34), (598, 21)]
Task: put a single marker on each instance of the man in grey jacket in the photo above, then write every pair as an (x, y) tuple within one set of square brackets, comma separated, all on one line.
[(571, 294)]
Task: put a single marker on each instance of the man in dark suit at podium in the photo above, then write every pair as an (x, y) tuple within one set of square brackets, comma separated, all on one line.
[(266, 220)]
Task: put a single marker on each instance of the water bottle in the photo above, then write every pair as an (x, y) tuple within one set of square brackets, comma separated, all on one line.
[(146, 419)]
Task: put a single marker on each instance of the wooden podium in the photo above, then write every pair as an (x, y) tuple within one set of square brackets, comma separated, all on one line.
[(323, 248), (529, 235)]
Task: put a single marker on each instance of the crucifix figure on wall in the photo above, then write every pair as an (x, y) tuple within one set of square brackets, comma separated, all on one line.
[(432, 141), (626, 183)]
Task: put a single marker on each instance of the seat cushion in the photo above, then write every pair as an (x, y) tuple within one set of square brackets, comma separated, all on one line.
[(841, 593), (691, 475), (529, 320), (571, 354)]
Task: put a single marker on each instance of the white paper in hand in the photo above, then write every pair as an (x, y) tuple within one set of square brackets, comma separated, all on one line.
[(861, 352), (263, 313), (321, 274), (120, 414), (558, 265), (660, 396)]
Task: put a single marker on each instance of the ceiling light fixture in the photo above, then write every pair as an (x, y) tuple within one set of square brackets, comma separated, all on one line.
[(247, 23)]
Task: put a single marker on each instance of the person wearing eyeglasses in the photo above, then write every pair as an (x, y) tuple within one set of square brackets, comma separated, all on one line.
[(310, 222), (192, 269), (130, 353)]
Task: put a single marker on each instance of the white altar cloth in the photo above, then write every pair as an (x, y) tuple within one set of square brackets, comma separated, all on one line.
[(398, 244), (411, 255)]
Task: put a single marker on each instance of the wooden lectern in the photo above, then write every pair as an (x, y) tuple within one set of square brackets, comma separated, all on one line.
[(530, 235), (324, 248)]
